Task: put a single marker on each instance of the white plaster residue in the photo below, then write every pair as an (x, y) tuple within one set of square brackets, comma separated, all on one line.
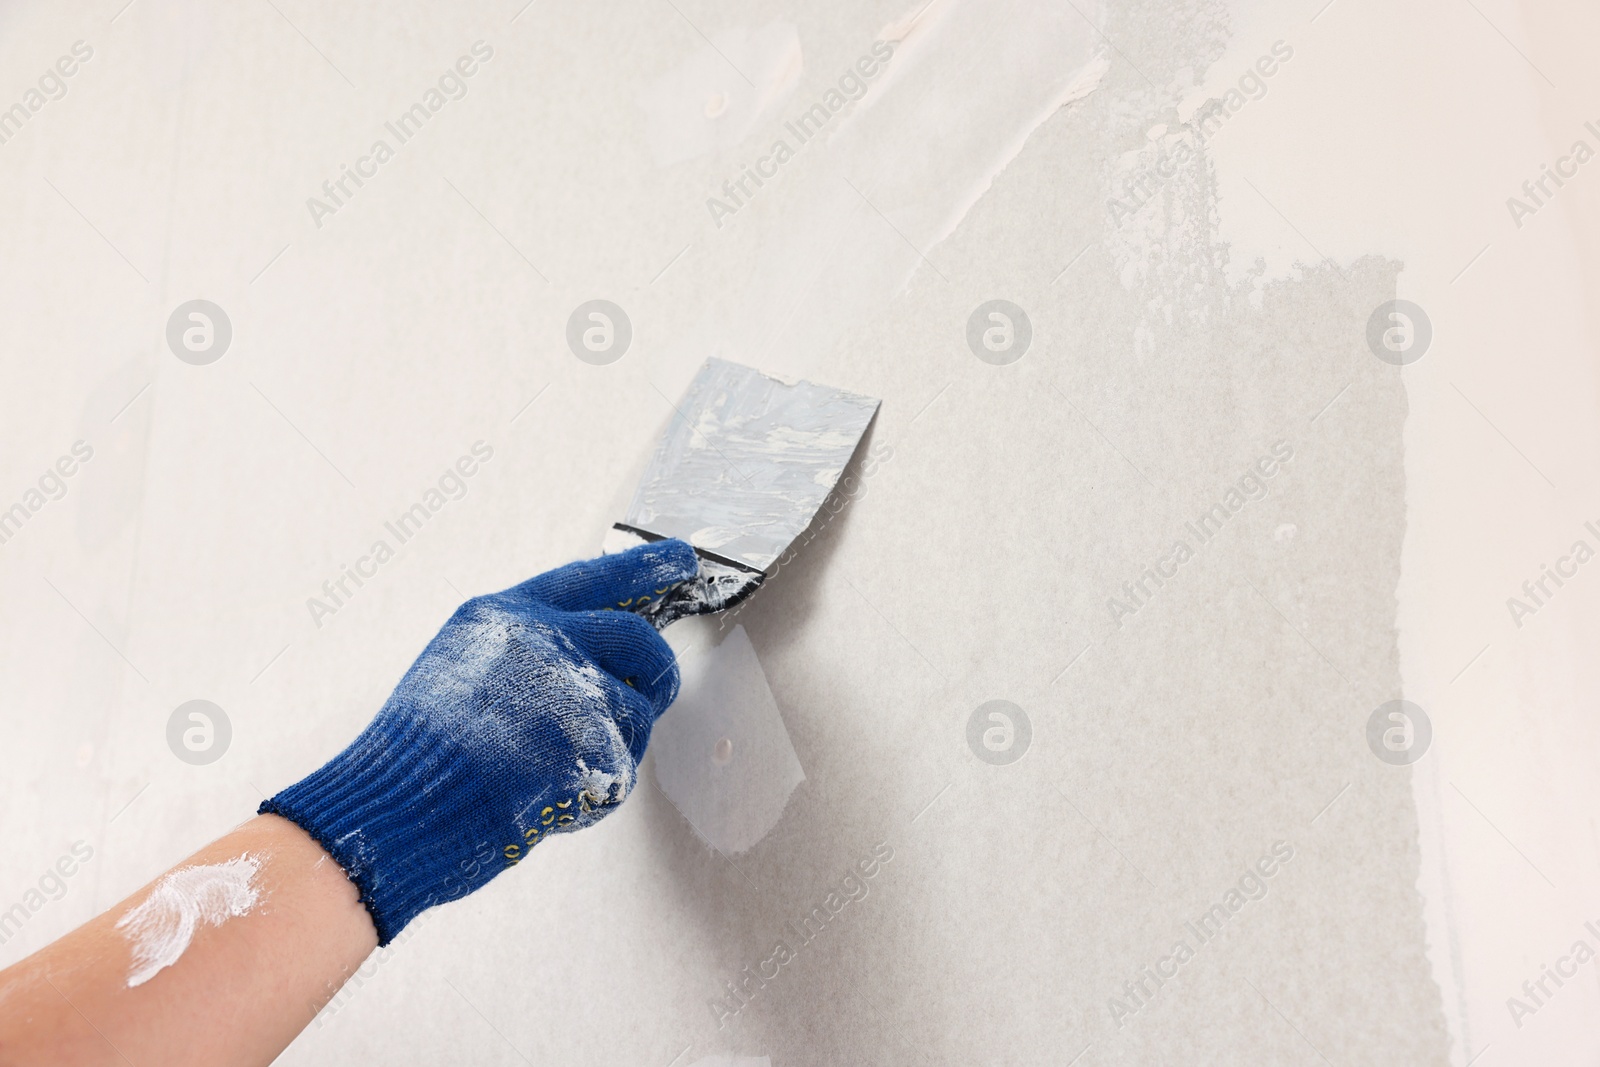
[(917, 22), (967, 84), (715, 98), (713, 537), (1037, 62), (186, 899), (452, 676), (455, 680), (586, 678), (781, 440), (588, 732), (596, 785)]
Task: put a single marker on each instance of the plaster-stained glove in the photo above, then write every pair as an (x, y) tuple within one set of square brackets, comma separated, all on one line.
[(525, 716)]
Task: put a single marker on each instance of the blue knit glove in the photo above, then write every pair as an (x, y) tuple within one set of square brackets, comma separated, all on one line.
[(525, 716)]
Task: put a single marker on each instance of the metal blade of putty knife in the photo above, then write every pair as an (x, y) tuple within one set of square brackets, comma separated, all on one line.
[(739, 473)]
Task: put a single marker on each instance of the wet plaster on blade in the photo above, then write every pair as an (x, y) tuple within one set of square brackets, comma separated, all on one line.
[(746, 462), (182, 903)]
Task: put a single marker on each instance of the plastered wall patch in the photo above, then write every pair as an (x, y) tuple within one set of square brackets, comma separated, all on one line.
[(921, 145), (722, 755), (712, 100)]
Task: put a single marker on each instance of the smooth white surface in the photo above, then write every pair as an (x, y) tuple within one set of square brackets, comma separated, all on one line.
[(723, 757)]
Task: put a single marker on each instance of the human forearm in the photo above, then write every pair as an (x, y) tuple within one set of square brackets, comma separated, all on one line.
[(289, 931)]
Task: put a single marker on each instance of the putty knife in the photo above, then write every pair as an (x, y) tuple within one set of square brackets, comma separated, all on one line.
[(740, 472)]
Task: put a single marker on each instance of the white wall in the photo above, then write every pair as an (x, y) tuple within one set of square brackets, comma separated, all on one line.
[(1173, 347)]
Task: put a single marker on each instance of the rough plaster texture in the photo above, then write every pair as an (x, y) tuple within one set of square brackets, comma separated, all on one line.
[(1168, 753)]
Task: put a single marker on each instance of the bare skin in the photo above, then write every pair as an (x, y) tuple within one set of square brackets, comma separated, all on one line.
[(239, 994)]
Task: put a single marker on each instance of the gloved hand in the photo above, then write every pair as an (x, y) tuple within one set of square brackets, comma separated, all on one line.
[(525, 716)]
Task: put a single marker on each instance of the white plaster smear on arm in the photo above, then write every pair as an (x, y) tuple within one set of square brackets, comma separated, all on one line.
[(186, 899)]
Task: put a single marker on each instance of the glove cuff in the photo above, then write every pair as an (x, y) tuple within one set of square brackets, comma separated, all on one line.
[(372, 804)]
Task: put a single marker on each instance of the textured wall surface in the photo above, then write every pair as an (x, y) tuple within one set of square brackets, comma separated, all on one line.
[(1158, 505)]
